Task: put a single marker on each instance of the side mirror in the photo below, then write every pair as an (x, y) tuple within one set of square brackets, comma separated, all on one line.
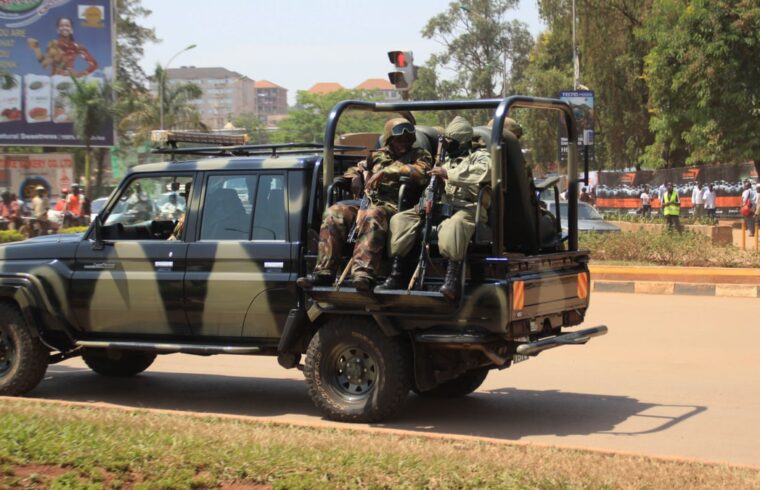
[(98, 244)]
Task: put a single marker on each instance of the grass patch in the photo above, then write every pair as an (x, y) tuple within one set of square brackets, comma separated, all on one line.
[(78, 447), (665, 248)]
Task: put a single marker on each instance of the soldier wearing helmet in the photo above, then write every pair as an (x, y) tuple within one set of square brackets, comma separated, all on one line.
[(379, 180), (463, 171)]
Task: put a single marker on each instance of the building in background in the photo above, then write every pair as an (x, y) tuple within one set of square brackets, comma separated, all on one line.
[(271, 101), (226, 93), (323, 88), (381, 86)]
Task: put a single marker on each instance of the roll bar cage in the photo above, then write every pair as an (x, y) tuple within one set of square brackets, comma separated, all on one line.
[(498, 178)]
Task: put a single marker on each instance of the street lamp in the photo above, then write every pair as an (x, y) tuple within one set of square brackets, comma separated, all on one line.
[(162, 82)]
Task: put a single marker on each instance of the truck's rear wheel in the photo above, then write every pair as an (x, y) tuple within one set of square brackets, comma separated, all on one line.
[(355, 373), (23, 358), (118, 363), (462, 385)]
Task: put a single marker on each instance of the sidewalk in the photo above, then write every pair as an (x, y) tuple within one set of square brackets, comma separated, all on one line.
[(694, 281)]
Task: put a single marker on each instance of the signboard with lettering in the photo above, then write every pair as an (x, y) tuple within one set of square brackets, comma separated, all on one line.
[(582, 102), (46, 46), (21, 173)]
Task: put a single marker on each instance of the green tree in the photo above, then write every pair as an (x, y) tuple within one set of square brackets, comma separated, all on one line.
[(611, 64), (131, 37), (92, 106), (179, 111), (487, 52), (306, 122), (703, 74), (256, 130)]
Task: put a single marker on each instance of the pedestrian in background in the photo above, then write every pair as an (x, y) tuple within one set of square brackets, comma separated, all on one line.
[(698, 200), (749, 205), (10, 211), (671, 205), (710, 198), (646, 203), (661, 196)]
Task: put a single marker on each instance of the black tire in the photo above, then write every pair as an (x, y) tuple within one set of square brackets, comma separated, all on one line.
[(458, 387), (23, 357), (118, 363), (355, 373)]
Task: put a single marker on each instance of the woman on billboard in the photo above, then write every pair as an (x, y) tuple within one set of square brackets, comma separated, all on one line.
[(62, 53)]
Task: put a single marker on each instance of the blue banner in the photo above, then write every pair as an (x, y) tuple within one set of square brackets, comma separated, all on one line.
[(43, 44)]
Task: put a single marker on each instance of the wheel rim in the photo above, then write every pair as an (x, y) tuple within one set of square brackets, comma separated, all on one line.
[(354, 372), (7, 352)]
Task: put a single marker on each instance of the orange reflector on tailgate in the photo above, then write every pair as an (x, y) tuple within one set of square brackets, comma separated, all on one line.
[(583, 285), (518, 295)]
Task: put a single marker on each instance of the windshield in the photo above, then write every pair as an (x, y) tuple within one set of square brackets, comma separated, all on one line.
[(585, 211)]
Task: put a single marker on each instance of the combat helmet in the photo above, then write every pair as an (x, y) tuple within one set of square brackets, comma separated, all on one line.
[(396, 127)]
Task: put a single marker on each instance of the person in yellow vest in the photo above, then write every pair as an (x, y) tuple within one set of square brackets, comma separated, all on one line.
[(671, 205)]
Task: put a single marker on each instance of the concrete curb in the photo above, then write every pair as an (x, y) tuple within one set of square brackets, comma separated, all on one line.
[(679, 288)]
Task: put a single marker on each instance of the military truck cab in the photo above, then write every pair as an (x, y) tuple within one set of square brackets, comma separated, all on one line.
[(201, 256)]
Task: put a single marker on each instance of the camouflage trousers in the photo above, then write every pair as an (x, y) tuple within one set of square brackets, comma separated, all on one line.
[(371, 235), (454, 233)]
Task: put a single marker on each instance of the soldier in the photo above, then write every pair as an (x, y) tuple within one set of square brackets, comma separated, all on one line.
[(463, 172), (397, 158)]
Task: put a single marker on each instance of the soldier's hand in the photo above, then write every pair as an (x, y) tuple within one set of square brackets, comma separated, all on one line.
[(374, 181), (439, 172), (357, 183)]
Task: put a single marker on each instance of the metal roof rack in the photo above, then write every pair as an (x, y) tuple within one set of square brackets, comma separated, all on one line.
[(273, 150), (230, 145)]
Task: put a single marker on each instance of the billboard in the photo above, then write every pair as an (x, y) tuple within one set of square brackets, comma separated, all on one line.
[(43, 44), (21, 173), (582, 103), (620, 191)]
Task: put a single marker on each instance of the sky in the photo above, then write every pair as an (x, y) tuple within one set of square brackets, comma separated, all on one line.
[(297, 43)]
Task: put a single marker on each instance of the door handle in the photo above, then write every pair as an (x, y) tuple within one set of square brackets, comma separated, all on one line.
[(164, 264)]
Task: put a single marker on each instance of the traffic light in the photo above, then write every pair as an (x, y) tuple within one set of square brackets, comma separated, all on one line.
[(403, 77)]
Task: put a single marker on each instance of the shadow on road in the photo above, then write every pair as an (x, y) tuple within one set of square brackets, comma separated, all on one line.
[(504, 413)]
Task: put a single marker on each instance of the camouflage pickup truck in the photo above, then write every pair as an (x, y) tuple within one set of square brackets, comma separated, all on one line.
[(201, 256)]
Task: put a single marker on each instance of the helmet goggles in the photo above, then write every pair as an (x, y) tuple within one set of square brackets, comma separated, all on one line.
[(402, 128)]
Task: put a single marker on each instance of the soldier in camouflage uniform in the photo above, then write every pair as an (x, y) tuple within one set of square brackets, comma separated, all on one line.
[(463, 171), (397, 158)]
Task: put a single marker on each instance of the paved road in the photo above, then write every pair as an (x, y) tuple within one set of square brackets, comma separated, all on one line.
[(676, 375)]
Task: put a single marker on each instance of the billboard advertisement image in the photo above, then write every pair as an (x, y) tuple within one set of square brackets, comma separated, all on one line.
[(582, 103), (44, 46)]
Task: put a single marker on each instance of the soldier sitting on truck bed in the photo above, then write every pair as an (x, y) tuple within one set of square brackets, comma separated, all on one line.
[(397, 158), (463, 172)]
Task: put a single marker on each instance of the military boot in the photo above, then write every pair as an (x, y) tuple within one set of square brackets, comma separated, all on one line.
[(315, 279), (450, 288), (393, 281), (363, 282)]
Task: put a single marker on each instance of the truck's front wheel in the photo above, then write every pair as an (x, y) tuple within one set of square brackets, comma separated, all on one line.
[(118, 363), (355, 373), (23, 358)]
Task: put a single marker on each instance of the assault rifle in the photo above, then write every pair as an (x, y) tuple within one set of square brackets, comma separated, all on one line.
[(365, 202), (427, 207)]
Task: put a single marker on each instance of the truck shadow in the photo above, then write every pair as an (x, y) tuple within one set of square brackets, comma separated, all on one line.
[(506, 413)]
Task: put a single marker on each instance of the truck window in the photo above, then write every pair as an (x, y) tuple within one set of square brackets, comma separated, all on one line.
[(226, 208), (270, 218), (149, 208)]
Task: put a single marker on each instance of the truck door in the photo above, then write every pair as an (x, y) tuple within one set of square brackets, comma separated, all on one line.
[(134, 284), (240, 271)]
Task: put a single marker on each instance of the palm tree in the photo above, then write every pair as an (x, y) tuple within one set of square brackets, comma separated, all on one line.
[(92, 106), (179, 113)]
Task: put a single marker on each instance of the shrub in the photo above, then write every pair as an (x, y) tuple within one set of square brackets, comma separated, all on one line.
[(665, 248), (73, 229), (7, 236)]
